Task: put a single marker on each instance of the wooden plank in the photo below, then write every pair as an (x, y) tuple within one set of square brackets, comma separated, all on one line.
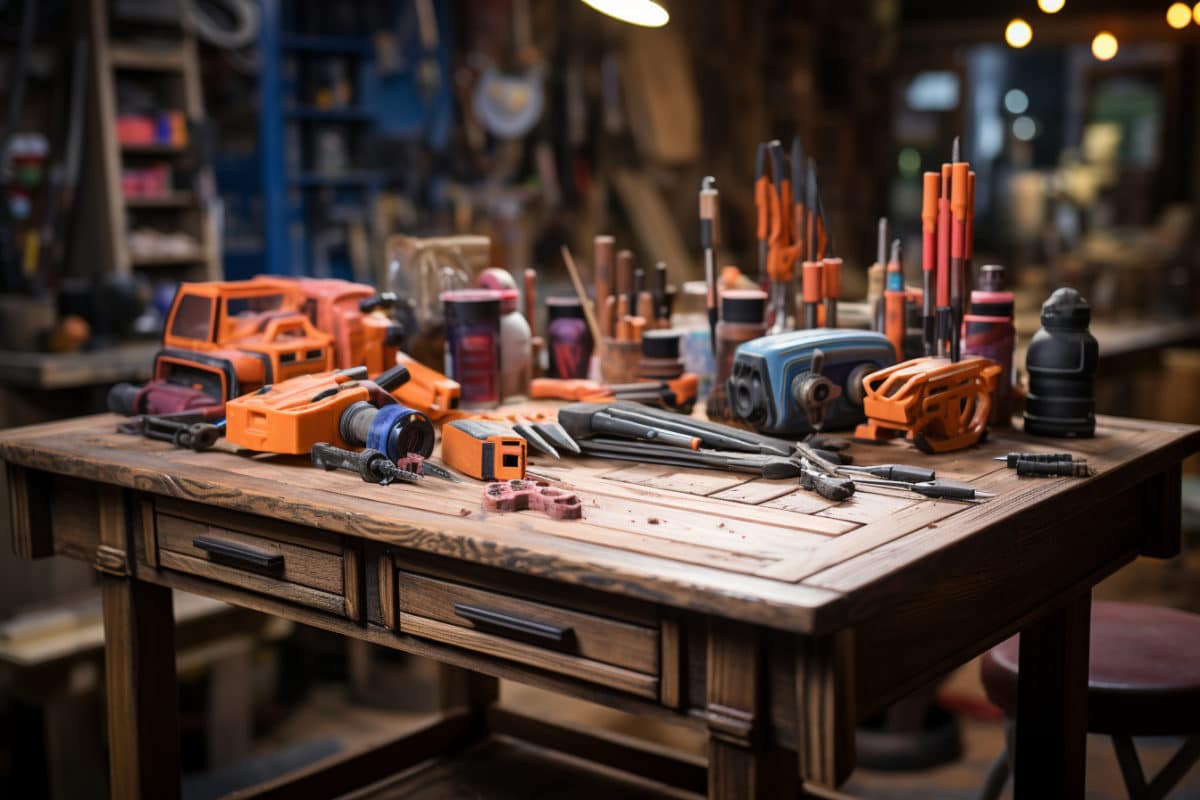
[(866, 506), (352, 580), (149, 528), (387, 591), (802, 501), (1163, 514), (1051, 741), (301, 565), (278, 529), (345, 772), (670, 689), (629, 754), (864, 539), (29, 512), (756, 491), (139, 676), (741, 764), (825, 700), (625, 680), (596, 638), (249, 581)]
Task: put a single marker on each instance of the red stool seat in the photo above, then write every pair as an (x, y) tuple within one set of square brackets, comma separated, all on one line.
[(1143, 675)]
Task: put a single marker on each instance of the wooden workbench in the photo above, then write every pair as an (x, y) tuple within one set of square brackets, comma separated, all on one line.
[(757, 611)]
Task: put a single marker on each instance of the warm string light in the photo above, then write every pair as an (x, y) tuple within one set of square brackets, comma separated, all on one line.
[(1179, 15), (1196, 13), (1104, 46), (645, 13), (1018, 33), (1051, 6)]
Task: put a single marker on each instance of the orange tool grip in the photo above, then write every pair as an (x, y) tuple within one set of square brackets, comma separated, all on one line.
[(762, 190), (929, 204), (565, 388), (958, 191), (943, 253), (831, 270), (969, 242), (893, 320), (811, 288)]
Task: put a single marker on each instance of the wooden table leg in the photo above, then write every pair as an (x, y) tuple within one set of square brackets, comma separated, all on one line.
[(141, 690), (460, 688), (1051, 754), (741, 762)]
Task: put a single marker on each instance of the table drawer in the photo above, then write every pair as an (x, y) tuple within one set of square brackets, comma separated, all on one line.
[(583, 645), (287, 562)]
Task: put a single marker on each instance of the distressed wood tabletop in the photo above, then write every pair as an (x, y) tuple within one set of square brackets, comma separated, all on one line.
[(763, 551)]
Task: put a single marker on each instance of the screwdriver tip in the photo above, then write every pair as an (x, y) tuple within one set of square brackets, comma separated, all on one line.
[(979, 493), (954, 156)]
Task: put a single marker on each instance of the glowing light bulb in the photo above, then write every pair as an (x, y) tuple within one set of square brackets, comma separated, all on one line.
[(1196, 13), (1016, 101), (646, 13), (1179, 15), (1051, 6), (1017, 34), (1104, 46)]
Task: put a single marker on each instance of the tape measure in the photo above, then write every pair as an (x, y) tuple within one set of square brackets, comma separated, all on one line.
[(487, 451)]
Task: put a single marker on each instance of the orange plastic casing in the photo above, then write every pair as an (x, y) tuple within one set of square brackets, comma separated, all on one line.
[(290, 418)]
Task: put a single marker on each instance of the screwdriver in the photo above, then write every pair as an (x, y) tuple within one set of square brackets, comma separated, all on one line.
[(1012, 459), (938, 489), (710, 240), (894, 472), (1046, 469), (372, 465)]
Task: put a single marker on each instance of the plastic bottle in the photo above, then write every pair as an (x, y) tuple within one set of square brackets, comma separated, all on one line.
[(516, 361), (988, 331), (569, 341), (473, 344), (1061, 362), (743, 317)]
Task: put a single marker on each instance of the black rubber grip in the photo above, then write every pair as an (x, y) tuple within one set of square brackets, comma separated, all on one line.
[(488, 618), (240, 553)]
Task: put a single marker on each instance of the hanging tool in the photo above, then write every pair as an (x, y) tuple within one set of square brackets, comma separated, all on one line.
[(372, 465), (1011, 459), (968, 246), (801, 211), (894, 301), (937, 489), (877, 277), (782, 250), (762, 204), (484, 450), (893, 472), (812, 250), (602, 272), (710, 240), (943, 264), (929, 219), (521, 495), (958, 235)]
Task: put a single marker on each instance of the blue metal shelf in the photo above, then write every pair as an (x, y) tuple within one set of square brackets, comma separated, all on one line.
[(309, 113), (332, 45)]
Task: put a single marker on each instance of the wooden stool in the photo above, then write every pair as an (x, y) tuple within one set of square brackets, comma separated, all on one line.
[(1143, 680)]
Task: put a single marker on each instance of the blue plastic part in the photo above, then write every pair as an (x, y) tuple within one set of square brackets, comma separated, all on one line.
[(384, 432), (765, 370)]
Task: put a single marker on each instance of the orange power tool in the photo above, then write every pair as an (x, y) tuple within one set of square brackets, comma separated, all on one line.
[(939, 404), (428, 391), (485, 450), (341, 408)]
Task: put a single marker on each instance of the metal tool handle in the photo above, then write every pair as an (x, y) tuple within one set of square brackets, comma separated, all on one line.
[(243, 554), (526, 627), (328, 457)]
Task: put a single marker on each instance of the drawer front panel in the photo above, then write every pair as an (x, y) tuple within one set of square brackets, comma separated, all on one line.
[(586, 646), (284, 562)]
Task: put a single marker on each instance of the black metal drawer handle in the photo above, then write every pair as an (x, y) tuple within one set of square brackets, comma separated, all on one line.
[(232, 551), (527, 627)]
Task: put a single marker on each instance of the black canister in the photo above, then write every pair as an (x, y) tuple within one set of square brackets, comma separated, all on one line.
[(1061, 362)]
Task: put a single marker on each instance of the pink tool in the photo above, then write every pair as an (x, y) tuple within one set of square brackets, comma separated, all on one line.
[(519, 495)]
